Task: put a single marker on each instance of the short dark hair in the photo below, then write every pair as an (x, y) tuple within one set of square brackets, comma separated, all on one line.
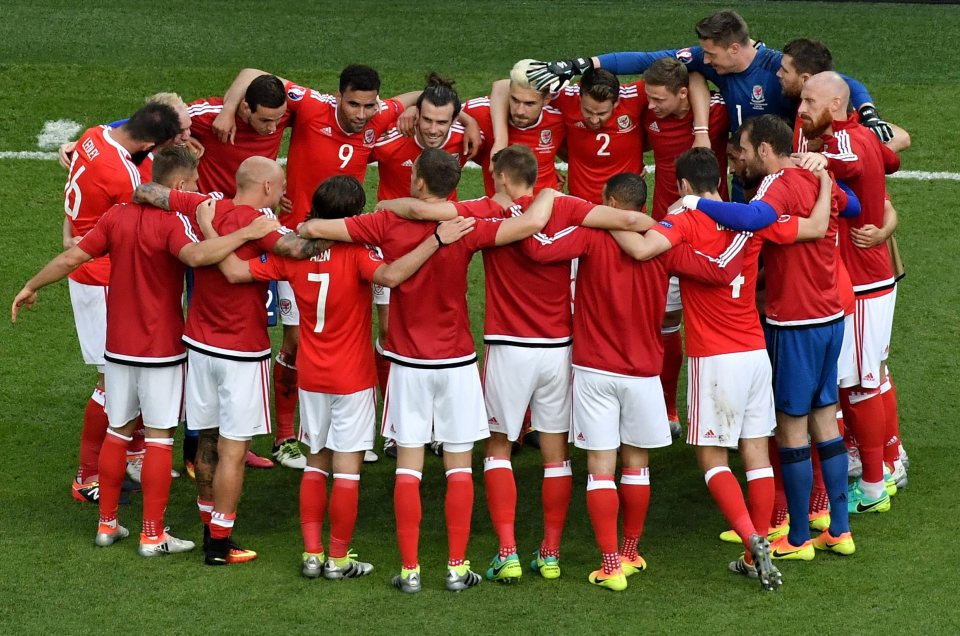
[(723, 27), (156, 123), (601, 85), (265, 90), (770, 129), (439, 170), (669, 72), (628, 188), (359, 77), (735, 136), (439, 92), (173, 160), (338, 197), (809, 56), (518, 162), (699, 166)]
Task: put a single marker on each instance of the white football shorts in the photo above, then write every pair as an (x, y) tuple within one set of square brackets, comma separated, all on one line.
[(228, 394)]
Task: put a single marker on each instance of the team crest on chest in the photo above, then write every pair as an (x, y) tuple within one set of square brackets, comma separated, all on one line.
[(546, 137), (368, 136), (757, 100), (624, 122)]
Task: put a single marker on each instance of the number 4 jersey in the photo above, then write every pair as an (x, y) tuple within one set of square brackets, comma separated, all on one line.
[(333, 294)]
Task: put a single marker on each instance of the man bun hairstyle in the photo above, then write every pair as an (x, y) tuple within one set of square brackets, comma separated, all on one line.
[(601, 85), (723, 28), (517, 162), (265, 90), (668, 72), (359, 77), (439, 170), (338, 197), (699, 166), (439, 91)]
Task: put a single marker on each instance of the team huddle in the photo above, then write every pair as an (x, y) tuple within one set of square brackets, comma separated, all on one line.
[(782, 283)]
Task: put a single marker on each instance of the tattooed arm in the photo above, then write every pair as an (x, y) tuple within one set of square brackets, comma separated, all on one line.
[(152, 194), (292, 246)]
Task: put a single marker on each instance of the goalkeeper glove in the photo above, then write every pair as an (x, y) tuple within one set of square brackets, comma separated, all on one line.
[(556, 75), (870, 118)]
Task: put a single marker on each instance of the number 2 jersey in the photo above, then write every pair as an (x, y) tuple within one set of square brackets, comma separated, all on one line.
[(332, 290)]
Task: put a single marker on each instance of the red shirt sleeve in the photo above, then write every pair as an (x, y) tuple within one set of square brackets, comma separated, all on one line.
[(484, 234), (388, 115), (296, 97), (891, 161), (96, 242), (180, 232), (479, 109), (186, 202), (776, 195), (685, 261), (369, 228), (784, 231), (268, 267), (675, 227), (484, 208), (573, 210), (368, 261), (558, 248)]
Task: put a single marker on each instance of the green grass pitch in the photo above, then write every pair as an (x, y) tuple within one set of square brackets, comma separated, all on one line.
[(95, 61)]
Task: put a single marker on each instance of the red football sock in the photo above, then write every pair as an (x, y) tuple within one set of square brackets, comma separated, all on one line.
[(779, 514), (205, 508), (501, 501), (383, 371), (865, 414), (343, 512), (458, 507), (726, 491), (760, 496), (138, 443), (819, 500), (313, 506), (603, 506), (634, 502), (891, 448), (221, 524), (557, 490), (406, 508), (285, 395), (841, 429), (156, 479), (112, 468), (91, 437), (670, 374)]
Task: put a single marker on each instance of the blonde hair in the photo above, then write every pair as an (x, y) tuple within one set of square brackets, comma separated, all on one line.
[(170, 99), (518, 74)]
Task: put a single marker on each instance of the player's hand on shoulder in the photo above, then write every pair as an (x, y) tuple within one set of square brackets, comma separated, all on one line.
[(676, 207), (557, 74), (224, 126), (195, 147), (496, 146), (205, 213), (260, 227), (407, 121), (812, 161), (286, 205), (472, 138), (870, 118), (64, 153), (702, 140), (454, 229)]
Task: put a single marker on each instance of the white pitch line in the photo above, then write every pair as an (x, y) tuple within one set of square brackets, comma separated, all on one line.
[(910, 175)]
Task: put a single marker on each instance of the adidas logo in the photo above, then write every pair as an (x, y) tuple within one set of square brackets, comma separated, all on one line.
[(581, 438), (326, 130), (870, 377), (408, 163), (709, 434), (493, 421), (654, 127), (393, 429)]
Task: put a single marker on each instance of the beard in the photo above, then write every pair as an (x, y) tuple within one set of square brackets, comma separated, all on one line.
[(816, 126)]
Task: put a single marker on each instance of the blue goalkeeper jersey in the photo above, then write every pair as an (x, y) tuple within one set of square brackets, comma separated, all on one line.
[(750, 93)]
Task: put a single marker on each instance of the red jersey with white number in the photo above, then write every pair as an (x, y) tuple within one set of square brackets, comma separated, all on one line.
[(144, 310), (527, 303), (218, 166), (544, 138), (102, 174), (718, 319), (395, 155), (801, 278), (429, 320), (320, 148), (226, 320), (620, 301), (857, 157), (669, 138), (597, 155), (332, 291)]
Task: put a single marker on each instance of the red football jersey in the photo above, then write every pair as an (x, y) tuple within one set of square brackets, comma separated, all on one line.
[(544, 138), (429, 320), (526, 302), (320, 148), (102, 174), (801, 278), (669, 138), (144, 310), (858, 158), (718, 319), (332, 291), (218, 166), (620, 301), (226, 320), (395, 155), (597, 155)]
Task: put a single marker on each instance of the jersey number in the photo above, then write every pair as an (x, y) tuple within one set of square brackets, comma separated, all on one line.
[(345, 154), (324, 280), (739, 115), (604, 139), (73, 191), (737, 283)]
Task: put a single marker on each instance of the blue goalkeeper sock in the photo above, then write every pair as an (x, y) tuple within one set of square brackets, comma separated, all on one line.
[(797, 482), (833, 465)]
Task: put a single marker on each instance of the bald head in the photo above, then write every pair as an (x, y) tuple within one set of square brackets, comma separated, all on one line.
[(260, 182), (823, 99)]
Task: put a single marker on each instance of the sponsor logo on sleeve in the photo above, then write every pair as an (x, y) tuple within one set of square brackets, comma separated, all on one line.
[(667, 224), (296, 93)]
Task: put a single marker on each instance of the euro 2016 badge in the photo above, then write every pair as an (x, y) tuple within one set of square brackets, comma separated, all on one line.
[(546, 137), (368, 136), (624, 122), (296, 93)]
